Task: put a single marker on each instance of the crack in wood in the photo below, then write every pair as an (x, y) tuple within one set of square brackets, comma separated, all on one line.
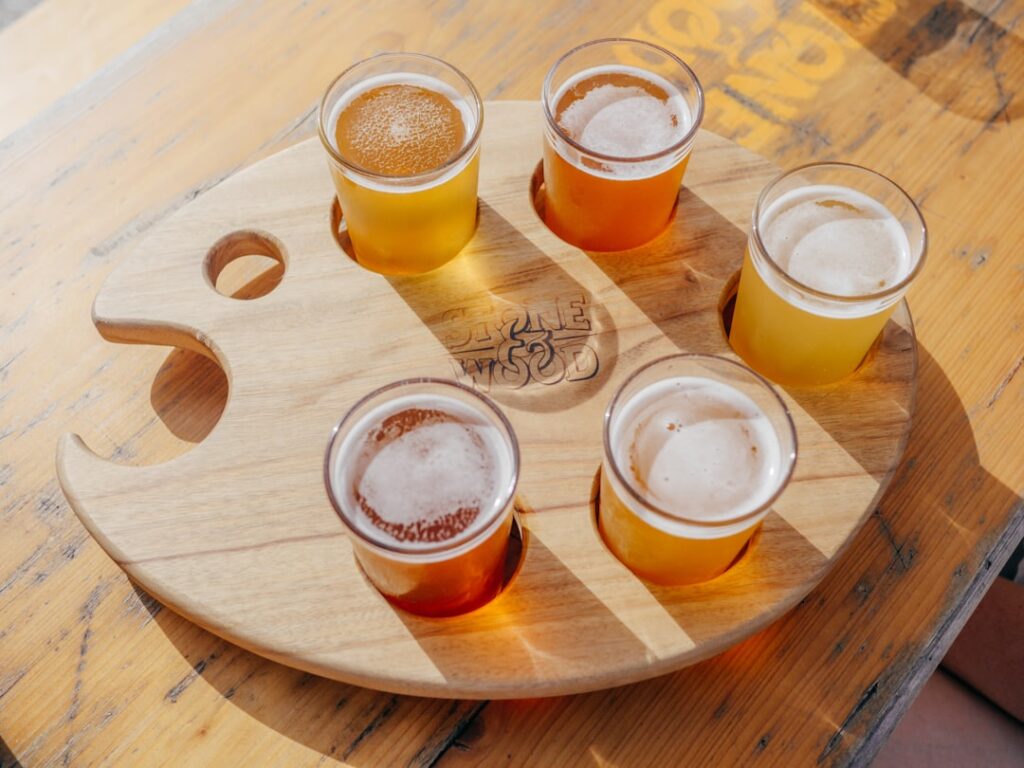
[(1006, 382), (182, 685), (373, 725), (837, 737), (8, 682), (903, 553), (23, 568), (453, 738)]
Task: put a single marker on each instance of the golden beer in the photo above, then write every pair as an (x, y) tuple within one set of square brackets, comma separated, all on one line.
[(423, 474), (696, 450), (402, 133), (617, 142), (833, 248)]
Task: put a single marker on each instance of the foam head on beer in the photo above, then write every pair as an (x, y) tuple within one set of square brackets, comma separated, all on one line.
[(698, 449), (836, 240), (623, 112), (419, 471), (401, 124)]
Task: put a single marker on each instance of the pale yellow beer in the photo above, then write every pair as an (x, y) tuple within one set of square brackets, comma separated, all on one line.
[(696, 450), (833, 248), (402, 133)]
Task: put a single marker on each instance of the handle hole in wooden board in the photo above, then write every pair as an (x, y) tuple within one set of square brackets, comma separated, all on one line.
[(245, 265)]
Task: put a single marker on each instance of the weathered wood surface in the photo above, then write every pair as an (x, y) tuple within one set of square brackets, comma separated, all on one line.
[(92, 672), (238, 534)]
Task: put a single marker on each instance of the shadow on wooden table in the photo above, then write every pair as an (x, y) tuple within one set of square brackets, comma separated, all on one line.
[(939, 47), (518, 327), (335, 719), (7, 758)]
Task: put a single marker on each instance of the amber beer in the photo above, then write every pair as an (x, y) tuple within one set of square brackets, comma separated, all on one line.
[(402, 133), (617, 142), (696, 450), (832, 250), (423, 474)]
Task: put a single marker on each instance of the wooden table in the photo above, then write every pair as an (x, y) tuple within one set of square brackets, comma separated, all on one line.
[(112, 115)]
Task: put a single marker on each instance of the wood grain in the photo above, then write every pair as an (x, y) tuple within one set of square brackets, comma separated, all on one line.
[(87, 672), (238, 534), (82, 36)]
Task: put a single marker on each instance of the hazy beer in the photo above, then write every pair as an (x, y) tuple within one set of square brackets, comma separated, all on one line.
[(423, 474), (617, 142), (696, 449), (402, 132), (833, 248)]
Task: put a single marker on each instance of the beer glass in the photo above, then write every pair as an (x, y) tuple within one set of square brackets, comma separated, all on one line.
[(832, 249), (696, 450), (402, 133), (617, 140), (423, 474)]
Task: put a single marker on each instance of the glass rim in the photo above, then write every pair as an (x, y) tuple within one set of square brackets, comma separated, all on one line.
[(637, 497), (553, 124), (792, 282), (468, 147), (506, 496)]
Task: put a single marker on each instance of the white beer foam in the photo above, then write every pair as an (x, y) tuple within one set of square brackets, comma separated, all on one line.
[(836, 240), (432, 470), (429, 471), (698, 449), (626, 121)]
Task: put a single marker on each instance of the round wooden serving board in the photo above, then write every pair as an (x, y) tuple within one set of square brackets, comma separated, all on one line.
[(238, 534)]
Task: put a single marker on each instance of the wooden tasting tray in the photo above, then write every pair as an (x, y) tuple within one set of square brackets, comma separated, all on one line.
[(238, 535)]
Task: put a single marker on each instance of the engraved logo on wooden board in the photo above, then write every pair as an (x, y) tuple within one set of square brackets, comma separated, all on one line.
[(512, 346)]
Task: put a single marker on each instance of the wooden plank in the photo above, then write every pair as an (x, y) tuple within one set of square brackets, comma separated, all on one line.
[(61, 43), (12, 10), (791, 82)]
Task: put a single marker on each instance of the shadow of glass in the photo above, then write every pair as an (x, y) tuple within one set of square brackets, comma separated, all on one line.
[(518, 628), (677, 277), (862, 425), (760, 576), (953, 54), (337, 719), (517, 326)]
